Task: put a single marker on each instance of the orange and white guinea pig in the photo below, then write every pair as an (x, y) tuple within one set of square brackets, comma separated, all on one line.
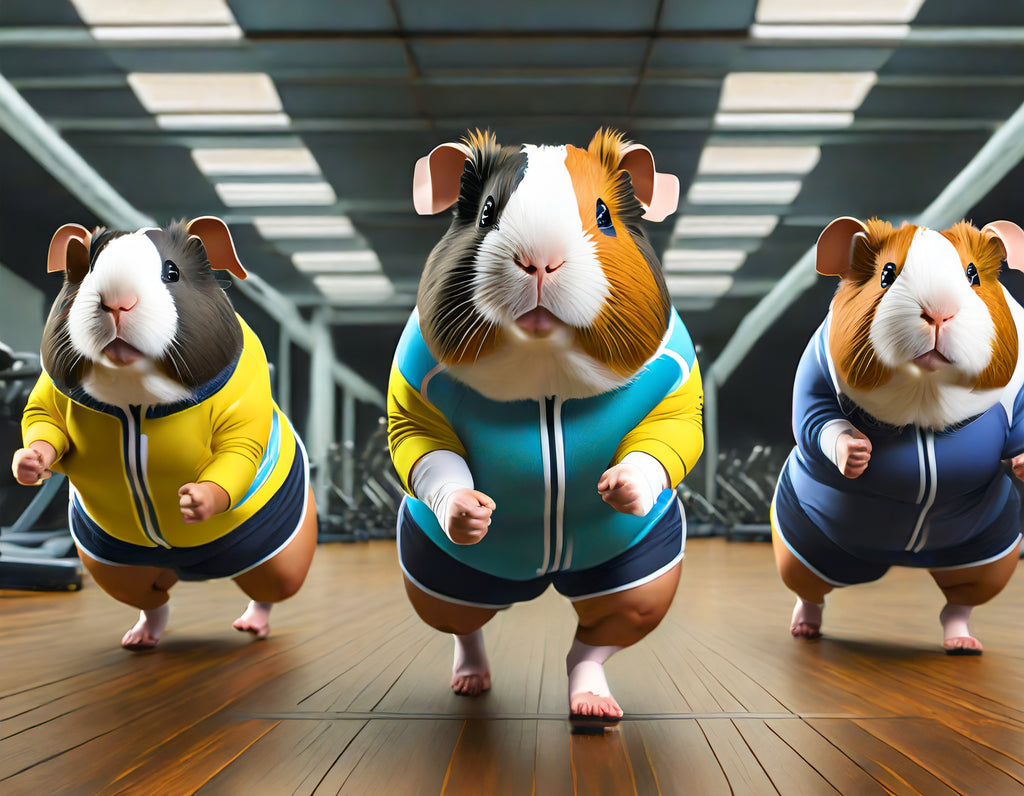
[(906, 402)]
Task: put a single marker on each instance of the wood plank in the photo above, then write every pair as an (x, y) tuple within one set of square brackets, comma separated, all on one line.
[(788, 770), (492, 757), (745, 774), (401, 757), (953, 758), (292, 757)]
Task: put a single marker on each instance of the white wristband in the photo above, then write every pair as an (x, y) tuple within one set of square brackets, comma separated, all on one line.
[(654, 475), (829, 437), (436, 477)]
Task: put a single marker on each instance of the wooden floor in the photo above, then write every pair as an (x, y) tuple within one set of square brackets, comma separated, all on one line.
[(350, 694)]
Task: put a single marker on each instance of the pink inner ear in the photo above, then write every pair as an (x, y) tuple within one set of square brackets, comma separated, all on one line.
[(437, 179), (59, 257), (1012, 238), (659, 192), (835, 246), (216, 238)]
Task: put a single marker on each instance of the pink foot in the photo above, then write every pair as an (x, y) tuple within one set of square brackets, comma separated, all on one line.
[(957, 638), (148, 630), (594, 705), (255, 620), (589, 694), (806, 622), (471, 673)]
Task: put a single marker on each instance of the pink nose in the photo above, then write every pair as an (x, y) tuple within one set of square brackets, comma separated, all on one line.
[(937, 319), (118, 305), (532, 267)]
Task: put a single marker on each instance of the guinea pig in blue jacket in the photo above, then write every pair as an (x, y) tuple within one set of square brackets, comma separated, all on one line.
[(544, 402), (907, 401)]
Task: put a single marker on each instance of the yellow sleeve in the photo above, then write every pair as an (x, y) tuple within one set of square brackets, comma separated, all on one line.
[(242, 416), (673, 432), (415, 427), (41, 419)]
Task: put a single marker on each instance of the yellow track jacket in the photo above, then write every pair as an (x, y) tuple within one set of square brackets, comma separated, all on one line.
[(127, 466)]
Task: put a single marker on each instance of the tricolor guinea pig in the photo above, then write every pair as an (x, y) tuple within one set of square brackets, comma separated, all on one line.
[(155, 402), (907, 401), (545, 270), (544, 399)]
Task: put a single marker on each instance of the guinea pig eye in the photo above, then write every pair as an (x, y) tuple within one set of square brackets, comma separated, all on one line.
[(487, 214), (888, 274), (170, 272), (972, 276), (604, 219)]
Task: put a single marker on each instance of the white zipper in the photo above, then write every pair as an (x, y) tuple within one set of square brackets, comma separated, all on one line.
[(136, 468), (929, 487)]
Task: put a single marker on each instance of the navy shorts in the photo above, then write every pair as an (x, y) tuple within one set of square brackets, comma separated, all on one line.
[(435, 572), (841, 567), (255, 541)]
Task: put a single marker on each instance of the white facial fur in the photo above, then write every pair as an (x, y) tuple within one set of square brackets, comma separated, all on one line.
[(931, 282), (126, 274), (539, 226)]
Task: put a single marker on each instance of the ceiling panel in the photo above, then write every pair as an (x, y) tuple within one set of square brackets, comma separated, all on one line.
[(369, 88)]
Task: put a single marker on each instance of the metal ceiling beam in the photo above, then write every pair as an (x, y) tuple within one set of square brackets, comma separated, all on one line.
[(44, 144)]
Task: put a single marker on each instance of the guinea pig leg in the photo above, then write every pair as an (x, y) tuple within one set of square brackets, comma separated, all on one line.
[(956, 635), (471, 671), (589, 694), (255, 619), (806, 622), (148, 630)]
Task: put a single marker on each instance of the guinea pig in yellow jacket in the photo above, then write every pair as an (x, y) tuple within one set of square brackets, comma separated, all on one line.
[(544, 401), (155, 401), (907, 401)]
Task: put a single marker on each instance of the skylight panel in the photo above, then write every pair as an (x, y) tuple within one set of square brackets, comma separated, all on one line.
[(795, 91), (219, 162), (758, 159), (205, 92)]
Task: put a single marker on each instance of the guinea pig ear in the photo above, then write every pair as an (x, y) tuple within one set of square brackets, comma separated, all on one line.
[(1012, 238), (658, 192), (437, 178), (835, 246), (218, 244), (69, 252)]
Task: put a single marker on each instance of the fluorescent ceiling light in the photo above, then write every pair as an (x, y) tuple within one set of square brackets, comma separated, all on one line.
[(154, 12), (758, 159), (357, 261), (222, 121), (255, 160), (795, 91), (263, 194), (282, 227), (355, 288), (166, 33), (675, 260), (725, 226), (774, 192), (684, 286), (783, 121), (866, 33), (205, 92), (837, 10)]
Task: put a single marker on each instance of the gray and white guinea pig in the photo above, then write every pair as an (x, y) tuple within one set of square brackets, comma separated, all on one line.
[(922, 332), (141, 319), (545, 273)]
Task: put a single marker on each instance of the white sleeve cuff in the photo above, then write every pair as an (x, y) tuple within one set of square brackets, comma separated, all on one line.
[(830, 435), (435, 477), (654, 475)]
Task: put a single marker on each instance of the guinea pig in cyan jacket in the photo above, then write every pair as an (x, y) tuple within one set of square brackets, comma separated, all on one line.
[(155, 401), (906, 402), (545, 398)]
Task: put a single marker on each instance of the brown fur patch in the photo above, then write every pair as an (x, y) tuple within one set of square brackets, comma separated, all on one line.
[(986, 253), (630, 327), (857, 299)]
